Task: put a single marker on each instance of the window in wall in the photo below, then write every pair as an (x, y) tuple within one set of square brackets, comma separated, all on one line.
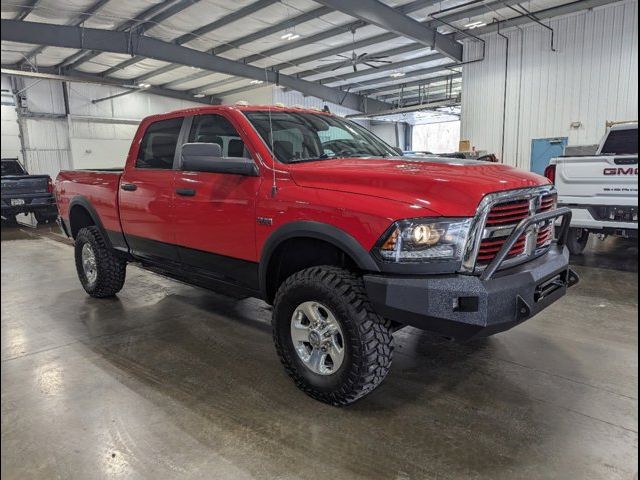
[(158, 146), (442, 137)]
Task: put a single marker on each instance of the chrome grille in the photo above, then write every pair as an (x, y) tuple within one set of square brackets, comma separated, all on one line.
[(497, 217)]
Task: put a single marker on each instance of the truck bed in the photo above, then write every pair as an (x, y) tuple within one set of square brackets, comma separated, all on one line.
[(99, 188)]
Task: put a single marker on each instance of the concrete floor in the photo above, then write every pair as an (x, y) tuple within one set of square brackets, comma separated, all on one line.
[(170, 381)]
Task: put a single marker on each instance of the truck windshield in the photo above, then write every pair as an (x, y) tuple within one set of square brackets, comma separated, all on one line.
[(12, 167), (621, 142), (304, 136)]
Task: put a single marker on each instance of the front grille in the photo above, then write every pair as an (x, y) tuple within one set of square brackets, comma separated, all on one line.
[(503, 217)]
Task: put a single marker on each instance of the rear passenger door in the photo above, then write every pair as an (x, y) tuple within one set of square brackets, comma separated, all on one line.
[(147, 192), (215, 212)]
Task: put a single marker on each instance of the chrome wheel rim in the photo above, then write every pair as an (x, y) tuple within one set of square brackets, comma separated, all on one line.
[(89, 264), (317, 338)]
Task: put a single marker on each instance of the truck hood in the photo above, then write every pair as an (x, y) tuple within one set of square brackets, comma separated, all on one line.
[(448, 187)]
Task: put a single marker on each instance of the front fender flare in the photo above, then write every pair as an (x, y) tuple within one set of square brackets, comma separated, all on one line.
[(320, 231)]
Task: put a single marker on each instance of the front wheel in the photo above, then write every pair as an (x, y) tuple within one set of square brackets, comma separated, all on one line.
[(328, 337), (577, 239), (100, 270)]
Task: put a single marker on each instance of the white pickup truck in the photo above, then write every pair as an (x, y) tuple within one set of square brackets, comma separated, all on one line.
[(600, 189)]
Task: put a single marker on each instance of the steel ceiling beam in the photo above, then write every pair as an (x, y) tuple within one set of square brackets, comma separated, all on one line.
[(385, 37), (50, 74), (142, 22), (347, 76), (25, 10), (291, 23), (187, 37), (133, 44), (543, 14), (76, 21), (340, 29), (377, 13), (415, 83), (412, 73)]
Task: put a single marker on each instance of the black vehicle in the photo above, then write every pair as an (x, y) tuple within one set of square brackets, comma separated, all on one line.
[(24, 193)]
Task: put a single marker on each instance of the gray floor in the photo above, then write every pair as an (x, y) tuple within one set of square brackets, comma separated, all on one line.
[(170, 381)]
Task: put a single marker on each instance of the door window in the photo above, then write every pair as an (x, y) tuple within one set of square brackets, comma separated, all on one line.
[(217, 129), (158, 146)]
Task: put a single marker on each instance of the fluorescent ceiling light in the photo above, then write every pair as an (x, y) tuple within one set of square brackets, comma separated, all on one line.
[(397, 74), (143, 85), (476, 24), (199, 95), (290, 36), (256, 82)]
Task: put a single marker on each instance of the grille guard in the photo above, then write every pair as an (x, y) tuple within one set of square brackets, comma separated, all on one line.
[(520, 229)]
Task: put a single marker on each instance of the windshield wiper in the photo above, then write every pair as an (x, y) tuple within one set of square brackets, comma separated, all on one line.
[(324, 156)]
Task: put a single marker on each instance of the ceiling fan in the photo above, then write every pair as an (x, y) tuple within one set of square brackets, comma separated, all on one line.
[(353, 60)]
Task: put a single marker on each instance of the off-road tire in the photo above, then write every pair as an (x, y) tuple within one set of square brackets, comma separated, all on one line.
[(368, 338), (111, 268), (577, 239)]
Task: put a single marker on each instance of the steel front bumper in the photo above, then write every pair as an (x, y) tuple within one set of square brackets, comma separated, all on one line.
[(466, 306)]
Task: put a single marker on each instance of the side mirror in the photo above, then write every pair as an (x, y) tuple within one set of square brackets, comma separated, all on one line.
[(207, 157)]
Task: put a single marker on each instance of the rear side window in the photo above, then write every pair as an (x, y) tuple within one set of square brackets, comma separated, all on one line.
[(621, 142), (217, 129), (158, 146)]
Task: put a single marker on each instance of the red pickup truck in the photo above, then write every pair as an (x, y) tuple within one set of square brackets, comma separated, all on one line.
[(317, 216)]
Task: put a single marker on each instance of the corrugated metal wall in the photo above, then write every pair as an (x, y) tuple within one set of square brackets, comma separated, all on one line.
[(92, 136), (591, 78)]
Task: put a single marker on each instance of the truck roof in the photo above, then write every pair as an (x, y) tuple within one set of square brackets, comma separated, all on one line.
[(240, 108)]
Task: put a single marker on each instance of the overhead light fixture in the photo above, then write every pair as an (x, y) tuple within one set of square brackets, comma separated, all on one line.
[(143, 85), (256, 82), (290, 36), (199, 95), (476, 24), (397, 74)]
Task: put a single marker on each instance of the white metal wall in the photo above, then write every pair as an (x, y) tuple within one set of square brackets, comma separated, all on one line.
[(91, 136), (10, 141), (591, 78)]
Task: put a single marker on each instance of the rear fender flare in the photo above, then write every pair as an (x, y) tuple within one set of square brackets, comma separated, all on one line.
[(84, 202)]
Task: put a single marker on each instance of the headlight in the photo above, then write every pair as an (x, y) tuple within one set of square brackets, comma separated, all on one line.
[(424, 239)]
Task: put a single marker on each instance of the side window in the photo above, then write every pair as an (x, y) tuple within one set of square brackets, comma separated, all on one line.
[(217, 129), (158, 145)]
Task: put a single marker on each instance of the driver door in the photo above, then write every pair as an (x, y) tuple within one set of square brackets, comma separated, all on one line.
[(215, 212)]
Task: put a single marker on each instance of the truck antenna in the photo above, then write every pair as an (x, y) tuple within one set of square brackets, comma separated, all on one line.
[(274, 184)]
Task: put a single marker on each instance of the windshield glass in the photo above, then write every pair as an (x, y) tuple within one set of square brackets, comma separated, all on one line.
[(303, 136), (12, 167)]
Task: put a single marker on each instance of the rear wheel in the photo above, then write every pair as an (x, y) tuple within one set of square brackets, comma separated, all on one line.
[(577, 239), (100, 270), (330, 341)]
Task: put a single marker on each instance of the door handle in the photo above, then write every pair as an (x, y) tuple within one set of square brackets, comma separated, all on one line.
[(129, 187), (186, 192)]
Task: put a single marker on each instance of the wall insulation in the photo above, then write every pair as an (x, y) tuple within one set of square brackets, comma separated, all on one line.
[(591, 78)]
